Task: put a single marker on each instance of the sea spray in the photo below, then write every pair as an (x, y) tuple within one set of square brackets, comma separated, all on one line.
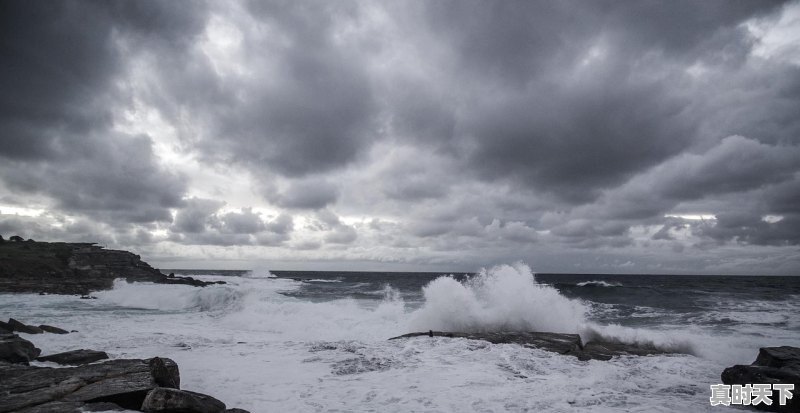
[(502, 298), (148, 296)]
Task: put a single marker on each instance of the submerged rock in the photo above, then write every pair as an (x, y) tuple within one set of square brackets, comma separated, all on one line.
[(54, 330), (75, 357), (180, 401), (561, 343), (774, 365), (15, 349)]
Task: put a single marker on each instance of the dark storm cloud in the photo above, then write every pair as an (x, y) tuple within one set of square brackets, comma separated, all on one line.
[(60, 64), (315, 113), (113, 177), (547, 122), (475, 129), (200, 222), (304, 194)]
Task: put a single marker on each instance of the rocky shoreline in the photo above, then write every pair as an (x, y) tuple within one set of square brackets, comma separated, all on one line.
[(92, 383), (74, 268)]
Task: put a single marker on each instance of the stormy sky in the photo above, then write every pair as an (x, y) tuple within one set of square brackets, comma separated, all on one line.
[(602, 136)]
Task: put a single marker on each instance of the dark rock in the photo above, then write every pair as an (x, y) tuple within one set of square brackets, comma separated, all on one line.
[(102, 407), (14, 349), (556, 342), (605, 350), (779, 357), (236, 411), (75, 357), (5, 327), (56, 407), (50, 329), (122, 382), (23, 328), (72, 407), (88, 297), (165, 372), (180, 401), (774, 365)]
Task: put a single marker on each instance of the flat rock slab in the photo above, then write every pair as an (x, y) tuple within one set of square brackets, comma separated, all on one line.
[(14, 349), (75, 357), (180, 401), (122, 382), (561, 343)]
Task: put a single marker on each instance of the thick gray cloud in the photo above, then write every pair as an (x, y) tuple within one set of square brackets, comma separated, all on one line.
[(441, 133), (203, 222), (56, 110)]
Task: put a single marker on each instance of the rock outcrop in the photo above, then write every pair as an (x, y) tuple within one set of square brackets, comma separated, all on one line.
[(73, 268), (569, 344), (173, 400), (14, 349), (23, 328), (54, 330), (774, 365), (122, 382), (149, 385)]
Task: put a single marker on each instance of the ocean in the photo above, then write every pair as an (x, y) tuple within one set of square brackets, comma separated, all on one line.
[(317, 341)]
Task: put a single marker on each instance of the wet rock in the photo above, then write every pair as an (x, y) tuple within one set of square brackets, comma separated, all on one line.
[(561, 343), (72, 407), (5, 327), (75, 357), (23, 328), (54, 330), (784, 357), (14, 349), (180, 401), (122, 382), (606, 350), (773, 365), (236, 411)]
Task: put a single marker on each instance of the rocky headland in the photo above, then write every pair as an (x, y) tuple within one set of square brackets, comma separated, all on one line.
[(73, 268)]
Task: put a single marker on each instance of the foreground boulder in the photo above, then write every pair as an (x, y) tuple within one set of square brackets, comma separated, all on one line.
[(75, 357), (14, 349), (122, 382), (774, 365), (180, 401), (561, 343)]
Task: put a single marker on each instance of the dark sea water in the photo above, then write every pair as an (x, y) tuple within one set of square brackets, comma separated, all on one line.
[(719, 302)]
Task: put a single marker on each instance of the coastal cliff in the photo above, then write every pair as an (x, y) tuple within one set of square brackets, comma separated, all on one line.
[(73, 268)]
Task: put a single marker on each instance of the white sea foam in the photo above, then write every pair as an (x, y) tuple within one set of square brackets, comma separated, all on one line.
[(503, 298), (598, 283), (171, 297)]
